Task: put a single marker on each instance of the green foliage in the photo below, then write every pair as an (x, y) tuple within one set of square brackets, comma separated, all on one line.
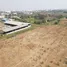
[(60, 16), (37, 22), (30, 20), (39, 18), (56, 22), (48, 20), (66, 17), (43, 21)]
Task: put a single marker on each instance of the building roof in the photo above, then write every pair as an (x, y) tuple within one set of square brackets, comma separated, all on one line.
[(15, 22), (19, 25)]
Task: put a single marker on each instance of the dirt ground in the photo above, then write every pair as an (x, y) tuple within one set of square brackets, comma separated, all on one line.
[(44, 46)]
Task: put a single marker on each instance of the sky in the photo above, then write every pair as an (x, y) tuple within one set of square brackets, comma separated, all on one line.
[(20, 5)]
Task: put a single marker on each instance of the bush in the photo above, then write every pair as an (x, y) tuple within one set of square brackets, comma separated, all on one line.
[(66, 17), (37, 22), (57, 22), (43, 21)]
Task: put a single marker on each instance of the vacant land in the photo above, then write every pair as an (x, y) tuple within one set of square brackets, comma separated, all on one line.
[(45, 46)]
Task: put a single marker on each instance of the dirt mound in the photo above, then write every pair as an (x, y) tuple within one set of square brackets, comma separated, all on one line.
[(43, 47)]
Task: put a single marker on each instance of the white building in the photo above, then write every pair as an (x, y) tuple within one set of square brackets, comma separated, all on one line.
[(14, 26)]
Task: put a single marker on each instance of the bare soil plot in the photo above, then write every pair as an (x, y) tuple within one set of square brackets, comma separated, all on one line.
[(63, 21), (45, 46)]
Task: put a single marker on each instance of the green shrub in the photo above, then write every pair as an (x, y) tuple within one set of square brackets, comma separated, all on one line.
[(37, 22), (57, 22)]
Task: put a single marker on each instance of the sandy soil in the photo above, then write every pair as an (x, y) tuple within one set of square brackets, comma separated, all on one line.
[(45, 46)]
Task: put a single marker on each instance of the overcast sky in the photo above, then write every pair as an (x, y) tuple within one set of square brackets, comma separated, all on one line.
[(32, 4)]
